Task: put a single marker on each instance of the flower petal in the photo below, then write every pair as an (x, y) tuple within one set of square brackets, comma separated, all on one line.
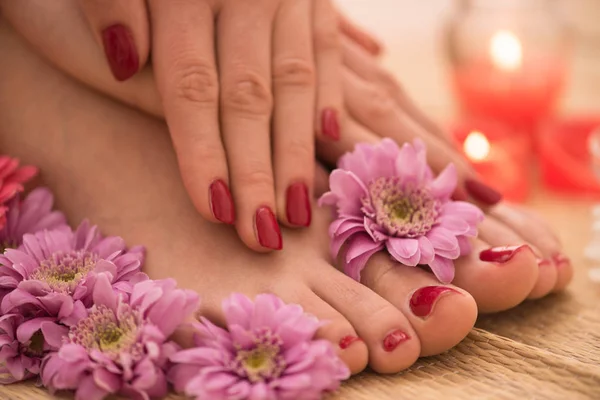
[(360, 248), (442, 239), (445, 183), (443, 269)]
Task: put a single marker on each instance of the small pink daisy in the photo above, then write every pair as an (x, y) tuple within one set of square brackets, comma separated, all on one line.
[(119, 347), (386, 197), (268, 352)]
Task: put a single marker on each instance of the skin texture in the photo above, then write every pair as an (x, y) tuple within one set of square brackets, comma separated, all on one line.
[(145, 202)]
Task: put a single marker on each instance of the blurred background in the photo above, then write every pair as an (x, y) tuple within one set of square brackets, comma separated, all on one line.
[(516, 83)]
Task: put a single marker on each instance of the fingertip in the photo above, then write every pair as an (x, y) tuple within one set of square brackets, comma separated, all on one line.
[(298, 208), (221, 203), (121, 51)]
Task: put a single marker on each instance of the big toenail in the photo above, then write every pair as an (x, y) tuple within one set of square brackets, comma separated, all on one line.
[(560, 260), (393, 339), (502, 254), (424, 299), (346, 341)]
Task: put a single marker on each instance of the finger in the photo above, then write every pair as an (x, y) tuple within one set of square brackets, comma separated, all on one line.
[(187, 80), (328, 57), (321, 180), (244, 32), (381, 115), (359, 36), (366, 67), (122, 29), (293, 112)]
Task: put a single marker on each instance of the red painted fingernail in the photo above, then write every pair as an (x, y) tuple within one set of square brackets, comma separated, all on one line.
[(120, 51), (560, 260), (267, 229), (482, 192), (297, 205), (393, 339), (423, 300), (346, 341), (460, 194), (544, 262), (329, 124), (221, 202), (501, 255)]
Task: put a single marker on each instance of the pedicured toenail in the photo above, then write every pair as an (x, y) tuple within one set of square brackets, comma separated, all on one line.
[(502, 254), (560, 260), (424, 299), (346, 341), (393, 339)]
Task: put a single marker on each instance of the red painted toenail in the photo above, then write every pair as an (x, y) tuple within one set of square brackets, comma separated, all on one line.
[(346, 341), (560, 260), (423, 300), (393, 339), (501, 255)]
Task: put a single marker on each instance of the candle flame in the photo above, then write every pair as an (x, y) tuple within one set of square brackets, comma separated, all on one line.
[(476, 146), (506, 50)]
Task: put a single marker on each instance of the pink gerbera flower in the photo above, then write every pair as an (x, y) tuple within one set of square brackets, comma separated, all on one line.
[(387, 197), (54, 269), (12, 178), (119, 347), (31, 215), (268, 352)]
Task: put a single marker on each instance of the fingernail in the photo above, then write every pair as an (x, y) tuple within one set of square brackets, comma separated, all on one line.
[(393, 339), (544, 262), (120, 51), (329, 124), (267, 229), (560, 260), (346, 341), (460, 194), (221, 202), (297, 205), (502, 254), (482, 192), (423, 300)]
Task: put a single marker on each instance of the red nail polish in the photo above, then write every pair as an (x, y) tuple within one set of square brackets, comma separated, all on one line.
[(297, 208), (120, 51), (560, 260), (423, 300), (501, 254), (221, 202), (346, 341), (393, 339), (267, 229), (482, 192), (329, 124)]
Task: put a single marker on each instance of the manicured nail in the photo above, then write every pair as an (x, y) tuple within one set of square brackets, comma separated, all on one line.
[(120, 51), (560, 260), (221, 202), (297, 205), (460, 194), (482, 192), (346, 341), (544, 262), (424, 299), (502, 254), (329, 124), (267, 229), (393, 339)]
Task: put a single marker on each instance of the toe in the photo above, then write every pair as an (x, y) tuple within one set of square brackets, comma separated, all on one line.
[(498, 278), (348, 344), (441, 315), (530, 228), (393, 344), (497, 234)]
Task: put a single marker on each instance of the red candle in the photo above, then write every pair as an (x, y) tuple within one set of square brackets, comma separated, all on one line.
[(507, 87)]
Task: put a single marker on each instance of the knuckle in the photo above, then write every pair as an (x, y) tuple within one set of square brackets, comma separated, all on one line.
[(256, 178), (380, 104), (196, 81), (300, 150), (207, 152), (294, 72), (248, 93), (326, 38)]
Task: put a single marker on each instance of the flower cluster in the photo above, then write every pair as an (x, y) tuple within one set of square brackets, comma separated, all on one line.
[(386, 197), (77, 312)]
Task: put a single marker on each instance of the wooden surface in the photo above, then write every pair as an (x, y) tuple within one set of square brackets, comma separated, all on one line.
[(410, 30)]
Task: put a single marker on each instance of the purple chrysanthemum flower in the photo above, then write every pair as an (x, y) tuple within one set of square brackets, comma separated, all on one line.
[(268, 352), (119, 347), (23, 345), (31, 215), (387, 197), (54, 269)]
